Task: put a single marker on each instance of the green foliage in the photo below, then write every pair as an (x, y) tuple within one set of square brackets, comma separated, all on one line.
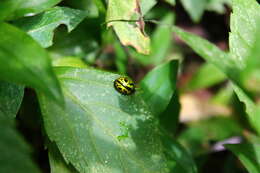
[(15, 152), (104, 116), (88, 126), (28, 59), (41, 27)]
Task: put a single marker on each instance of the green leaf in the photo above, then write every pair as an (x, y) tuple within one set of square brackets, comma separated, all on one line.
[(207, 75), (181, 156), (11, 96), (227, 65), (14, 151), (7, 7), (211, 53), (57, 163), (24, 61), (101, 130), (248, 154), (159, 85), (41, 27), (194, 8), (32, 6), (129, 33), (169, 118), (246, 14)]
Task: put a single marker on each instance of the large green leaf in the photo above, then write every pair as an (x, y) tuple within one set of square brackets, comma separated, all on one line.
[(41, 27), (101, 130), (24, 61), (248, 154), (159, 85), (32, 6), (129, 33), (11, 96)]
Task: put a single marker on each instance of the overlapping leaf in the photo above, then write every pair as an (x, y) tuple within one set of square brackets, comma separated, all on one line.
[(41, 27), (24, 61)]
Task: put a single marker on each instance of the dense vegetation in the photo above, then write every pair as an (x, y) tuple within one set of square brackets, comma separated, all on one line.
[(195, 105)]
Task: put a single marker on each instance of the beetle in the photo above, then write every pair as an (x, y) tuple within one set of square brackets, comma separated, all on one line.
[(124, 86)]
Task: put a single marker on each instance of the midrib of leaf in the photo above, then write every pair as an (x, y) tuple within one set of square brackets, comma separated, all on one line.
[(107, 131)]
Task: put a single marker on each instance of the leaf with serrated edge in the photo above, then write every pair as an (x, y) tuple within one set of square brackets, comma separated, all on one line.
[(101, 130)]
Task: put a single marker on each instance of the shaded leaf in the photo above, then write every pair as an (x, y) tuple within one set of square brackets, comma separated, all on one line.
[(129, 33), (180, 155), (57, 163), (24, 61), (159, 85), (248, 154), (169, 118), (11, 96), (41, 27), (198, 136), (14, 151), (101, 130)]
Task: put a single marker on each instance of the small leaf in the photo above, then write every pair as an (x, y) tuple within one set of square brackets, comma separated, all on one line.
[(11, 96), (129, 33), (248, 154), (24, 61), (159, 85), (41, 27), (194, 8), (101, 130)]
